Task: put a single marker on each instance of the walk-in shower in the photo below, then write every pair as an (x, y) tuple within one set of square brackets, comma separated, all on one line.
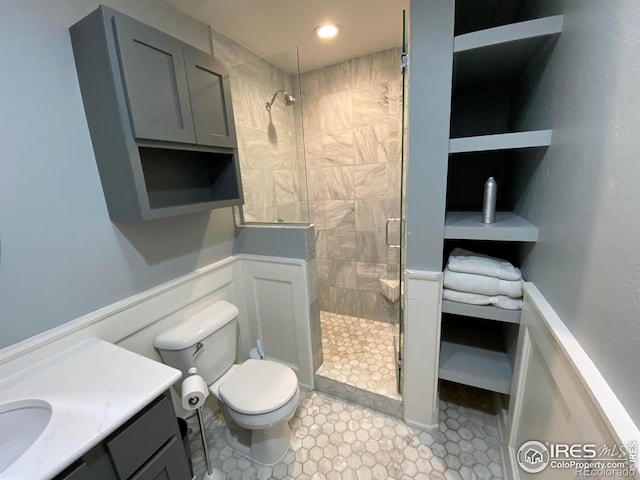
[(327, 149)]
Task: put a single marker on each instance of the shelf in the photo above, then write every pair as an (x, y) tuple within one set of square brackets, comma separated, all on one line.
[(475, 366), (481, 311), (473, 353), (508, 227), (502, 141), (496, 55)]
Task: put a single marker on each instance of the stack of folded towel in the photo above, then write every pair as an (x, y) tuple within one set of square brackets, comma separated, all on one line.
[(482, 280)]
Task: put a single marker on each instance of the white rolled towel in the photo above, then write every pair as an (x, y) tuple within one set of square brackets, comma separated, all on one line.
[(471, 283), (499, 301), (465, 261)]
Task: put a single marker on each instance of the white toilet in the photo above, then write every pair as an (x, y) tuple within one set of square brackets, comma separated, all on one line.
[(257, 397)]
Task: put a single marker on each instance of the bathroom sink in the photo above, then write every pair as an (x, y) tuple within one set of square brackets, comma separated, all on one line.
[(21, 423)]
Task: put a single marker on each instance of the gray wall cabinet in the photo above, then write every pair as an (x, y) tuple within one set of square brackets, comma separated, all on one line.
[(160, 116), (146, 447)]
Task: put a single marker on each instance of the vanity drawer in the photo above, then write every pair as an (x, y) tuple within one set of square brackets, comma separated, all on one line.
[(141, 438)]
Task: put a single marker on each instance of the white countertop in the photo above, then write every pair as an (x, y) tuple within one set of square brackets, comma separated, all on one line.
[(93, 388)]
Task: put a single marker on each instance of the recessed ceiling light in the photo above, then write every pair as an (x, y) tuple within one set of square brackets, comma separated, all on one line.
[(327, 31)]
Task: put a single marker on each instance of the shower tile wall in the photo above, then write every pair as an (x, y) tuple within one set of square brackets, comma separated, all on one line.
[(269, 145), (352, 123)]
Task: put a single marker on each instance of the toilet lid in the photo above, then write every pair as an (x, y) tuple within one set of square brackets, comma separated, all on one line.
[(259, 386)]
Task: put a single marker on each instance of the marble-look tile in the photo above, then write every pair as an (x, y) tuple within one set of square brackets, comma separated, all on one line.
[(335, 78), (317, 214), (340, 215), (368, 274), (288, 213), (334, 439), (337, 149), (394, 142), (371, 247), (230, 51), (310, 84), (250, 104), (260, 154), (359, 352), (370, 181), (376, 68), (335, 111), (287, 186), (394, 179), (303, 191), (304, 213), (371, 214), (331, 183), (311, 114), (259, 188), (341, 245), (313, 150), (339, 183), (323, 296), (342, 274), (395, 100), (368, 306), (321, 243), (393, 267), (370, 105), (310, 243), (323, 271), (312, 277), (316, 334), (343, 300), (370, 144)]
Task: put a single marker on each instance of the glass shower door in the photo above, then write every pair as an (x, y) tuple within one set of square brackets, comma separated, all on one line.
[(399, 209)]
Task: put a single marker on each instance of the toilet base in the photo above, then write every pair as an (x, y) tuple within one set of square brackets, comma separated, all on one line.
[(266, 447)]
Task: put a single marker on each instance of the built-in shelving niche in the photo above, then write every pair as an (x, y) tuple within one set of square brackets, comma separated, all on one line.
[(177, 178), (474, 15), (478, 352), (501, 49)]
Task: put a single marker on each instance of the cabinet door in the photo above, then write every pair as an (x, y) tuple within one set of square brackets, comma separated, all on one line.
[(170, 463), (152, 67), (210, 96)]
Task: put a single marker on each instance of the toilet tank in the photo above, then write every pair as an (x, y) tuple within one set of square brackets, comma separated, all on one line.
[(206, 340)]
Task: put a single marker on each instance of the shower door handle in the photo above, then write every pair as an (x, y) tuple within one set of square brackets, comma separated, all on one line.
[(386, 231)]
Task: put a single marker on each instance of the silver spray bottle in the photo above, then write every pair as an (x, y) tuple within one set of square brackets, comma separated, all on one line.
[(489, 201)]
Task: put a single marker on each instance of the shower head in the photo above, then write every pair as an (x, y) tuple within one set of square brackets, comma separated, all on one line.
[(288, 99)]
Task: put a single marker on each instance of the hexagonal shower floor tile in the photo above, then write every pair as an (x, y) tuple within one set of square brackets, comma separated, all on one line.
[(335, 440), (359, 352)]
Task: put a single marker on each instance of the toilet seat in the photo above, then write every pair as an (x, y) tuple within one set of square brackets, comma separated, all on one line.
[(258, 386)]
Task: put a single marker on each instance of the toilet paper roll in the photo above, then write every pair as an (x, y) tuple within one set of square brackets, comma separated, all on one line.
[(194, 392)]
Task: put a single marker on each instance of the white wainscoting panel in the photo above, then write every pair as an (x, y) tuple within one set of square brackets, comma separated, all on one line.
[(558, 395), (277, 307), (423, 310)]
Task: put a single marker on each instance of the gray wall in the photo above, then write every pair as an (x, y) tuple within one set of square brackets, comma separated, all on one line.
[(61, 256), (431, 64), (584, 195)]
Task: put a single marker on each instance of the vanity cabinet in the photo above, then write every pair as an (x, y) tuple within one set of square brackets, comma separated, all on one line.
[(147, 447), (160, 116)]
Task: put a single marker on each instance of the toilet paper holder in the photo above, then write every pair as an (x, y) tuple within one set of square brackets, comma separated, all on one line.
[(196, 404)]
